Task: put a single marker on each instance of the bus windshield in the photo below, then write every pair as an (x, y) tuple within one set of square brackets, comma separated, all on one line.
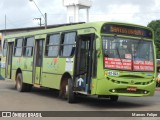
[(128, 54)]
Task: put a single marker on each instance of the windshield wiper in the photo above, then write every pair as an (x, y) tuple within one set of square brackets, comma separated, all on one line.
[(137, 47), (118, 51), (119, 55)]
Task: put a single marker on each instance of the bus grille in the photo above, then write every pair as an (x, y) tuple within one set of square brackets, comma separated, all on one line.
[(136, 83), (124, 90)]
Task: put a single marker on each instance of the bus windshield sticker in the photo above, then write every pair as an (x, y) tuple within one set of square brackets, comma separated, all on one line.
[(128, 56), (143, 65), (118, 63), (138, 65)]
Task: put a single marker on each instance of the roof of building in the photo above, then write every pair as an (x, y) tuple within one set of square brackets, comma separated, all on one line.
[(37, 28)]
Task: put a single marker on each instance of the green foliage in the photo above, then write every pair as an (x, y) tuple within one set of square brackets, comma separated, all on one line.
[(155, 25)]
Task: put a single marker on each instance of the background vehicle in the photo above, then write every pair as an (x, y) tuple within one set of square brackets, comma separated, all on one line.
[(102, 58)]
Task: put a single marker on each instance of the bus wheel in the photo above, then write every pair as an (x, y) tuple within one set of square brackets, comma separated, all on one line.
[(20, 86), (63, 90), (70, 93), (114, 98), (66, 90)]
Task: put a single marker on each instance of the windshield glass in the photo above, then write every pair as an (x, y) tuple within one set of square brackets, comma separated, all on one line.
[(127, 54)]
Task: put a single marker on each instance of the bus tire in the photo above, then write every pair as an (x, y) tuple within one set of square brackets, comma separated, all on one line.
[(70, 93), (113, 98), (20, 86)]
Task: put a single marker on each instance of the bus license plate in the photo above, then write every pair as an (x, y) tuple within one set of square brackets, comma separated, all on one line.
[(133, 89)]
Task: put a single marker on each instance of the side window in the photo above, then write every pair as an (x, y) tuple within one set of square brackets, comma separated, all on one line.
[(52, 45), (4, 48), (18, 47), (68, 44), (28, 47)]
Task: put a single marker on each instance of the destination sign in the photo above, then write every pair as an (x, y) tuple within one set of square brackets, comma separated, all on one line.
[(126, 30)]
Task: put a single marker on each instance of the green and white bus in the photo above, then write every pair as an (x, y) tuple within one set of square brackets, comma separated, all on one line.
[(106, 59)]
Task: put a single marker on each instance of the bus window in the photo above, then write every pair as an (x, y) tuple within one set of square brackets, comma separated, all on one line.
[(84, 55), (18, 47), (28, 47), (39, 53), (143, 51), (52, 45), (128, 54), (68, 44)]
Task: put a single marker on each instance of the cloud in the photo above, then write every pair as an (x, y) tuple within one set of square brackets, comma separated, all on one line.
[(20, 13), (104, 4), (132, 11), (17, 13)]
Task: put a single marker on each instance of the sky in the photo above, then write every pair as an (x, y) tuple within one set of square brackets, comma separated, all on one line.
[(21, 13)]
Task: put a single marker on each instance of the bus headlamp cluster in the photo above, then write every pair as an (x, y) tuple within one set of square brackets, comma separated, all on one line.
[(113, 90), (145, 92)]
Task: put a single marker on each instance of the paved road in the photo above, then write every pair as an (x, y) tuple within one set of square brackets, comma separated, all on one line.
[(47, 100)]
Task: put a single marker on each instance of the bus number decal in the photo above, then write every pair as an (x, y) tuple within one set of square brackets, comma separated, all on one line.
[(113, 73)]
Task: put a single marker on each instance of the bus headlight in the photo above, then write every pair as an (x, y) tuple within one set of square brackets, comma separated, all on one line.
[(145, 92), (113, 90)]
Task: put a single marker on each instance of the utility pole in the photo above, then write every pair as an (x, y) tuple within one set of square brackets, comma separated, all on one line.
[(44, 16), (5, 24)]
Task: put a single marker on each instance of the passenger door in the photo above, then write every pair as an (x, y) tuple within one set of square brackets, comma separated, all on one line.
[(38, 60), (9, 59), (84, 61)]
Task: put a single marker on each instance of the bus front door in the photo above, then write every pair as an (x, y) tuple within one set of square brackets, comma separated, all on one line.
[(9, 60), (83, 62), (38, 58)]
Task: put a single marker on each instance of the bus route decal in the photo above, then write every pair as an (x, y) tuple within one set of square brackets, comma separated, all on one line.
[(118, 63), (143, 65), (125, 64)]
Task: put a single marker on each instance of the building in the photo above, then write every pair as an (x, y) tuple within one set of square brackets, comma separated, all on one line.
[(6, 32), (73, 7)]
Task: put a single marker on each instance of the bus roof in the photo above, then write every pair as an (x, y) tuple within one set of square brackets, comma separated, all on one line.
[(67, 27)]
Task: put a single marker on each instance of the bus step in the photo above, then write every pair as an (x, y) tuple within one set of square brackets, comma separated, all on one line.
[(82, 92), (36, 85)]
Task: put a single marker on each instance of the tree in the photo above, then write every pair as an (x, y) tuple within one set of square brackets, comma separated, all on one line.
[(155, 25)]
